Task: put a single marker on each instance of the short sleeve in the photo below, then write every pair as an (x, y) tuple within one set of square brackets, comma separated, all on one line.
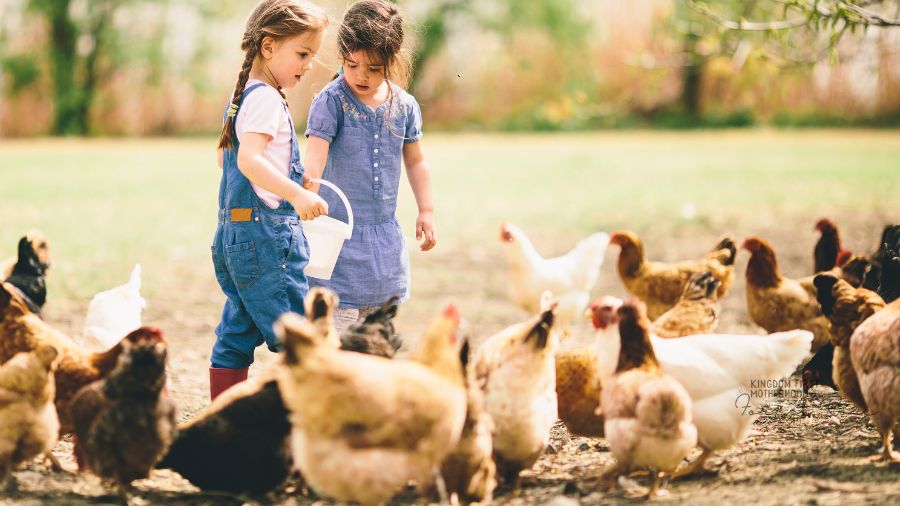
[(413, 122), (261, 112), (324, 115)]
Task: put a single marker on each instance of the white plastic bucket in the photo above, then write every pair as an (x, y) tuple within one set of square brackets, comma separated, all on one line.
[(326, 237)]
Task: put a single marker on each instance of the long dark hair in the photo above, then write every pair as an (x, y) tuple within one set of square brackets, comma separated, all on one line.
[(271, 18)]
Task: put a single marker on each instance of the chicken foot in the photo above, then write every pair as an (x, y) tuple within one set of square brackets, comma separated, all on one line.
[(693, 467)]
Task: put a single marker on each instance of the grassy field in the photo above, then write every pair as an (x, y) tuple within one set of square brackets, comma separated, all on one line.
[(105, 205)]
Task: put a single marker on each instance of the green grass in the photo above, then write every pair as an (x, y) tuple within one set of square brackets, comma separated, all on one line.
[(107, 204)]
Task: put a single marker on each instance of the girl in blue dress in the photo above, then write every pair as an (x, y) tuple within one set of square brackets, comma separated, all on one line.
[(360, 127)]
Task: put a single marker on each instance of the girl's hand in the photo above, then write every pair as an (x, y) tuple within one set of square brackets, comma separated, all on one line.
[(309, 185), (308, 205), (425, 228)]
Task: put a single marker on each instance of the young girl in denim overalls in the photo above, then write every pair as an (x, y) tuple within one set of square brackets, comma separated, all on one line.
[(259, 250), (360, 126)]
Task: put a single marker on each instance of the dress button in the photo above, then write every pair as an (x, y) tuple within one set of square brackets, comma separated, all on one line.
[(376, 178), (376, 164), (376, 136), (376, 150), (284, 266)]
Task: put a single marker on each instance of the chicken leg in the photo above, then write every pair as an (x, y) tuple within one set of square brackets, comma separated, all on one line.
[(693, 467)]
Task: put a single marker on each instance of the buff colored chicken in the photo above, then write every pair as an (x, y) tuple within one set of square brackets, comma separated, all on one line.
[(875, 352), (469, 470), (516, 370), (647, 412), (319, 305), (28, 423), (364, 426), (569, 277), (578, 388), (715, 369), (777, 303), (660, 285), (696, 313)]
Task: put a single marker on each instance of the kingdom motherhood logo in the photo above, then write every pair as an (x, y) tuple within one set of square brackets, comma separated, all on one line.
[(762, 390)]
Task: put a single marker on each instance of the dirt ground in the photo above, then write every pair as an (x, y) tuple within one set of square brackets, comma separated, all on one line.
[(814, 450)]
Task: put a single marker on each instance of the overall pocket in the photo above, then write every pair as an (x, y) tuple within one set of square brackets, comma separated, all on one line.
[(242, 263)]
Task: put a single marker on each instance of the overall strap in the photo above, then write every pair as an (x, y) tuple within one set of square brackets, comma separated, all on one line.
[(240, 103)]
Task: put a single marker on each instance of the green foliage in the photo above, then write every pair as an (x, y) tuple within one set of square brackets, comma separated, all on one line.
[(22, 71)]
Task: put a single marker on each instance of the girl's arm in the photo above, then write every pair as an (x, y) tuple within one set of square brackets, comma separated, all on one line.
[(420, 181), (314, 161), (260, 171), (220, 156)]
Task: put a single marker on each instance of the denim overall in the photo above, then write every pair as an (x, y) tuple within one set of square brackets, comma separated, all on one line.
[(259, 254)]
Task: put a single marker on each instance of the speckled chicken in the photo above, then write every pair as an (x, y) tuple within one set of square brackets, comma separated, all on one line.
[(578, 388), (375, 335), (647, 412), (516, 370), (364, 426), (777, 303), (875, 353), (469, 470), (696, 313), (28, 423), (660, 285), (23, 330), (125, 422), (845, 307)]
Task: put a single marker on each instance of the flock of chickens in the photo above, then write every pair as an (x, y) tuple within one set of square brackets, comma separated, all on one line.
[(360, 425)]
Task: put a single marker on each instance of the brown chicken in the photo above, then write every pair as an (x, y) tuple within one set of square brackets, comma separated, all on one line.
[(659, 284), (578, 388), (29, 270), (845, 307), (828, 247), (364, 426), (777, 303), (375, 334), (319, 305), (22, 330), (648, 413), (125, 421), (28, 423), (696, 313), (35, 242), (875, 352), (469, 470)]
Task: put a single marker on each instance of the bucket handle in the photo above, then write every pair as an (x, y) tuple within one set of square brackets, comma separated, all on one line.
[(339, 194)]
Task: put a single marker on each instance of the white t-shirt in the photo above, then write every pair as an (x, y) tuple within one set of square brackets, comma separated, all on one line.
[(263, 112)]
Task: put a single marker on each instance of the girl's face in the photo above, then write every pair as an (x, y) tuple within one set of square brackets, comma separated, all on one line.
[(364, 74), (288, 59)]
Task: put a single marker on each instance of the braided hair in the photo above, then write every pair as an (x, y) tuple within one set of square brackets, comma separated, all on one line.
[(271, 18)]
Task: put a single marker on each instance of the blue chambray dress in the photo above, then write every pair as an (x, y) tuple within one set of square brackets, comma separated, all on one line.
[(364, 161)]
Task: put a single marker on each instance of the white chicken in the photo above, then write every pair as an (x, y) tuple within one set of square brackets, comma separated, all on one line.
[(715, 369), (516, 371), (113, 313), (569, 277)]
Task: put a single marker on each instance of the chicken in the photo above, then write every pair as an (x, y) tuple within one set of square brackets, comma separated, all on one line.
[(820, 369), (319, 305), (890, 235), (569, 277), (24, 331), (124, 422), (776, 303), (647, 412), (27, 272), (239, 444), (659, 284), (875, 354), (717, 371), (28, 423), (113, 313), (828, 247), (696, 313), (578, 388), (375, 335), (364, 426), (469, 470), (516, 370), (889, 284), (845, 307)]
